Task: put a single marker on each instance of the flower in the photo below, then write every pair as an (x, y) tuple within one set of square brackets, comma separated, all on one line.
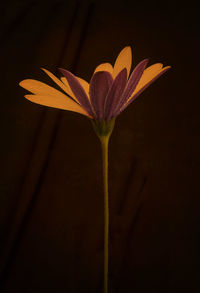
[(109, 92)]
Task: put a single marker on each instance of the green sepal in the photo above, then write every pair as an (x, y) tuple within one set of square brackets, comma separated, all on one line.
[(103, 128)]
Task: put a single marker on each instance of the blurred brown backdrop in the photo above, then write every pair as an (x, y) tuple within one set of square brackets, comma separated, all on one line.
[(51, 203)]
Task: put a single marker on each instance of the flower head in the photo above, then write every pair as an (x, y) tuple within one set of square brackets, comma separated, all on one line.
[(110, 91)]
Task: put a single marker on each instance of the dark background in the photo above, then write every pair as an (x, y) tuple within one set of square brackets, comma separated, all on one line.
[(51, 201)]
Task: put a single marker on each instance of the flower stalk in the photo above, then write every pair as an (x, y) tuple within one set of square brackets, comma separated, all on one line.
[(103, 130), (104, 145)]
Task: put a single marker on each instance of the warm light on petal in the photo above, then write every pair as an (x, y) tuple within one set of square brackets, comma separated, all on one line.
[(131, 85), (84, 84), (149, 76), (104, 67), (78, 90), (40, 88), (70, 93), (124, 60), (64, 87), (58, 102), (149, 73), (64, 80)]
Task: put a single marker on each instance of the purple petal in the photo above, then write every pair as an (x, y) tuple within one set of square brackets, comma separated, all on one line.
[(100, 84), (132, 83), (142, 89), (78, 91), (115, 93)]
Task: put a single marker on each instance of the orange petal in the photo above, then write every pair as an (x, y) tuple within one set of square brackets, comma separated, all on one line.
[(40, 88), (84, 84), (104, 67), (48, 96), (124, 60), (64, 80), (58, 102), (149, 73), (64, 87), (149, 76)]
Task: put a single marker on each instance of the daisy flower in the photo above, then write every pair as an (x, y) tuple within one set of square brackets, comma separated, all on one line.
[(110, 90)]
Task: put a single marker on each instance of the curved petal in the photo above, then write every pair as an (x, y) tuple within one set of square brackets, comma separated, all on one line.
[(100, 84), (149, 73), (64, 87), (115, 93), (124, 60), (57, 102), (83, 82), (146, 82), (104, 67), (71, 94), (131, 85), (85, 85), (39, 88), (78, 90)]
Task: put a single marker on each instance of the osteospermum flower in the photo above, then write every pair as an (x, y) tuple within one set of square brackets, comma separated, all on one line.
[(110, 91)]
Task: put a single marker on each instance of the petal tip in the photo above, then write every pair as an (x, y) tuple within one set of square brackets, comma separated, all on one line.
[(128, 48), (21, 83), (62, 70), (167, 67), (127, 51), (66, 73)]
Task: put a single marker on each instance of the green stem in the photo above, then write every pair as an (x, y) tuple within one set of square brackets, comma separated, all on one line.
[(104, 145), (103, 130)]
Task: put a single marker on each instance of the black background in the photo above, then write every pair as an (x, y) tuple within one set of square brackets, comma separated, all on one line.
[(51, 202)]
